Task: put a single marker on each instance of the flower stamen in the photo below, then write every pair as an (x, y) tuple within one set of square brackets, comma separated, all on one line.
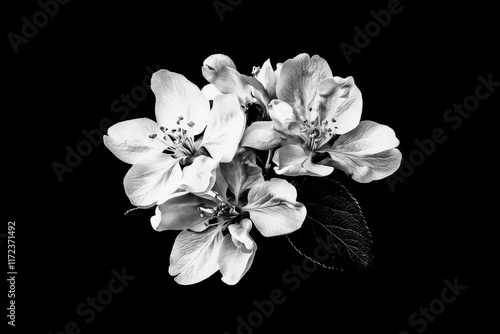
[(255, 70)]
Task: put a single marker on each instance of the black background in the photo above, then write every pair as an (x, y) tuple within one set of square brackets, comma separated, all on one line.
[(437, 225)]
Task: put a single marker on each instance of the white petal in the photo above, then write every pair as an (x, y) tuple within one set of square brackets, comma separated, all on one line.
[(220, 70), (257, 89), (339, 102), (237, 252), (195, 255), (273, 208), (367, 168), (199, 177), (180, 213), (268, 78), (261, 135), (152, 180), (283, 116), (130, 140), (225, 127), (292, 160), (177, 97), (210, 91), (299, 79), (366, 153), (214, 64), (367, 138)]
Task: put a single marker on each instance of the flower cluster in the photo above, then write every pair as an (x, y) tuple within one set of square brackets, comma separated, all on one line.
[(200, 164)]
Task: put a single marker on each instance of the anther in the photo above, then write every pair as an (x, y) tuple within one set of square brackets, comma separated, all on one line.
[(333, 120), (206, 211), (190, 124), (314, 134), (163, 129), (153, 136), (255, 70)]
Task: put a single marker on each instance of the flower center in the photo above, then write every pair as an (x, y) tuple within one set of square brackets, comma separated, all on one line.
[(317, 134), (223, 209), (179, 142)]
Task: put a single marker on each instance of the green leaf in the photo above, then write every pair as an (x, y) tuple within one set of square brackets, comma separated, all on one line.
[(334, 233)]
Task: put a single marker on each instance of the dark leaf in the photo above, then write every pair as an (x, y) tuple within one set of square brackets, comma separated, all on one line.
[(334, 234)]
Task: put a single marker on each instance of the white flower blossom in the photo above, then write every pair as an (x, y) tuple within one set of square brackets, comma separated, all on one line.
[(313, 109), (168, 155)]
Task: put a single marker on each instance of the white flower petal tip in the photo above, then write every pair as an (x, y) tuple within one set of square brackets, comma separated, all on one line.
[(237, 252)]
